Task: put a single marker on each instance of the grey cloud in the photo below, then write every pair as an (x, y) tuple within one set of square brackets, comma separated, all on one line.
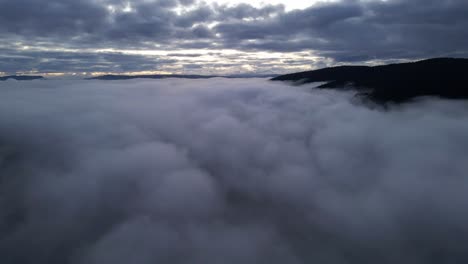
[(187, 2), (91, 21), (244, 10), (148, 21), (42, 61), (306, 23), (200, 14), (184, 55), (344, 31), (238, 171), (195, 33), (39, 61), (45, 18), (379, 29), (318, 17)]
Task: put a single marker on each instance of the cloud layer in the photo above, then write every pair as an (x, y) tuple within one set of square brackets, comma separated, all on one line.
[(339, 31), (227, 171)]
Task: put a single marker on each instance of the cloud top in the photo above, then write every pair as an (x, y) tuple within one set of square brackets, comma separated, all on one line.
[(231, 171)]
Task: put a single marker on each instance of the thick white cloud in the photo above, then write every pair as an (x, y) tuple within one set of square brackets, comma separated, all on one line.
[(227, 171)]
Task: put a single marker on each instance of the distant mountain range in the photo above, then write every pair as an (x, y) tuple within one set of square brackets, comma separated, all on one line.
[(443, 77), (153, 76), (110, 77), (20, 77)]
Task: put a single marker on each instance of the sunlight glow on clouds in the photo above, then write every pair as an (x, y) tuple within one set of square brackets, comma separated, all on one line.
[(222, 36), (290, 5)]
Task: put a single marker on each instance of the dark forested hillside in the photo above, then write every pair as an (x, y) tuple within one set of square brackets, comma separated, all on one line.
[(443, 77), (20, 77)]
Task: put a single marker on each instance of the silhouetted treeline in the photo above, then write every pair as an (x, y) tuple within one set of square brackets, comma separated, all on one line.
[(20, 77), (443, 77)]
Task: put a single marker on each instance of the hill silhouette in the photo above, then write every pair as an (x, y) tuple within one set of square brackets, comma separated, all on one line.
[(152, 76), (110, 77), (443, 77), (20, 77)]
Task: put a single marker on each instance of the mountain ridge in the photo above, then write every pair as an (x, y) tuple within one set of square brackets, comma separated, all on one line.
[(21, 77), (399, 82), (108, 77)]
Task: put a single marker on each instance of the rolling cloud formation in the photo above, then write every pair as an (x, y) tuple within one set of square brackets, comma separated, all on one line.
[(217, 171)]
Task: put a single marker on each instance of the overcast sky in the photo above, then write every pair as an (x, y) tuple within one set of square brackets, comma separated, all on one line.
[(223, 37)]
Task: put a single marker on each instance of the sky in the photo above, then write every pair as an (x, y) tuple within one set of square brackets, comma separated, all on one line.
[(93, 37)]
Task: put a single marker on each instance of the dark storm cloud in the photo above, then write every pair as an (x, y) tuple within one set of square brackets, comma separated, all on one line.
[(227, 171), (346, 31)]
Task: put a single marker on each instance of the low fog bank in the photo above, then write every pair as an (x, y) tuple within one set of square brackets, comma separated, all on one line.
[(227, 171)]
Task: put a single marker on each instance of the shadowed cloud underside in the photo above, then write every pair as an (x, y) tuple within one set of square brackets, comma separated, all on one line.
[(196, 37)]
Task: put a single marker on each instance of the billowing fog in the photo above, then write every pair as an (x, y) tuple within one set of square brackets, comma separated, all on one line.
[(227, 171)]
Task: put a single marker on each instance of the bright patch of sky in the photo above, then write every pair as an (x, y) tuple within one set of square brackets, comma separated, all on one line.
[(289, 4)]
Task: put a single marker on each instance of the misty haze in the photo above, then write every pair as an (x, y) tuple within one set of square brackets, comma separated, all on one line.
[(228, 171)]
